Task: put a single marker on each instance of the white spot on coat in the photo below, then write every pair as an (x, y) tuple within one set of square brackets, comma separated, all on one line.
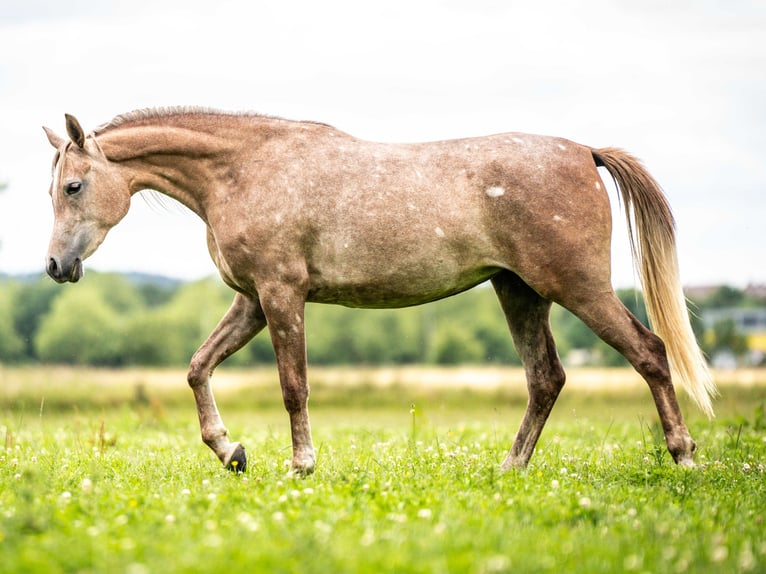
[(439, 231), (562, 146), (598, 185), (518, 140), (495, 191), (558, 218)]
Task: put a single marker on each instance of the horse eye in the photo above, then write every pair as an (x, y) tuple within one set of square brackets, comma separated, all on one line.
[(73, 187)]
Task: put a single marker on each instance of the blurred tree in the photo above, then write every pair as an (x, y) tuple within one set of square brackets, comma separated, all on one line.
[(569, 331), (32, 301), (122, 295), (86, 322), (386, 336), (724, 337), (11, 343), (156, 294), (478, 315), (454, 344), (155, 338), (165, 326), (81, 328), (725, 296), (496, 343), (258, 351), (193, 312)]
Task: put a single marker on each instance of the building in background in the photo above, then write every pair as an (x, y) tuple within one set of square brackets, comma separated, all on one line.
[(743, 323)]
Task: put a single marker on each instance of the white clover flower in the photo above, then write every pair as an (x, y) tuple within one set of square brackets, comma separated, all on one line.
[(86, 485), (425, 513)]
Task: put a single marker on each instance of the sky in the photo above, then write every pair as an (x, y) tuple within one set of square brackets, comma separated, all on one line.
[(681, 85)]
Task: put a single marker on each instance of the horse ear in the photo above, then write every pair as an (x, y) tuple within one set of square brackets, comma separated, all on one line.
[(56, 141), (75, 131)]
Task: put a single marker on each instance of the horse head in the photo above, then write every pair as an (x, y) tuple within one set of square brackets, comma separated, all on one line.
[(90, 195)]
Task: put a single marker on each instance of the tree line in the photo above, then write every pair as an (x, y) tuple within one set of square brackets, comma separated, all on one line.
[(114, 320)]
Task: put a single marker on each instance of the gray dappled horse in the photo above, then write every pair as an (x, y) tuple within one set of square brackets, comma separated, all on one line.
[(300, 212)]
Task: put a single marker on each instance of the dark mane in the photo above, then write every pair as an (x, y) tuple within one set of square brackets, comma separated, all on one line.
[(145, 114)]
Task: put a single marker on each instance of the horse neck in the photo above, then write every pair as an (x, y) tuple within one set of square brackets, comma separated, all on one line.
[(175, 160)]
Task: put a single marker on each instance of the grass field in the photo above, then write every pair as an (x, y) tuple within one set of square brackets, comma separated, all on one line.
[(99, 476)]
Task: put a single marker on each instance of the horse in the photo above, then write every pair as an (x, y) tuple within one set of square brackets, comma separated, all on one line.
[(300, 212)]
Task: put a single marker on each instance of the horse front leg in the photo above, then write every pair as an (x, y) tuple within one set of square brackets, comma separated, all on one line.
[(242, 322), (284, 308)]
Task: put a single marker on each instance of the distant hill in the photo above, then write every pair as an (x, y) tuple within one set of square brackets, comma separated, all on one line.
[(152, 279), (136, 278)]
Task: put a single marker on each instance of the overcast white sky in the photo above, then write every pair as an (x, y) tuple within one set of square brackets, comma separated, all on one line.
[(680, 84)]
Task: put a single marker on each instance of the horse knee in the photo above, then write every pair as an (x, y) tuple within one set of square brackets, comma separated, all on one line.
[(197, 374)]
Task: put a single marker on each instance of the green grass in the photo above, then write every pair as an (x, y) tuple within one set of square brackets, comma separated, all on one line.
[(108, 486)]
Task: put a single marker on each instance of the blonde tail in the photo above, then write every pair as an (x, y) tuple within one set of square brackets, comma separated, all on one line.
[(652, 241)]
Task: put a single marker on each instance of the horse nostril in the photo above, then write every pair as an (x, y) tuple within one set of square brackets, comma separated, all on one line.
[(53, 268)]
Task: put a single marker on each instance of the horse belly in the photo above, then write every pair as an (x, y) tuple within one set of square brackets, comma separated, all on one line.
[(397, 276)]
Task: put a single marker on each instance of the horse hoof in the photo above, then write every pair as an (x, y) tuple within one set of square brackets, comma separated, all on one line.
[(301, 471), (512, 463), (238, 460), (302, 468)]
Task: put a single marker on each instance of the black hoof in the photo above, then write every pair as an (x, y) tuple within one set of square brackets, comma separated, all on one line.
[(238, 461)]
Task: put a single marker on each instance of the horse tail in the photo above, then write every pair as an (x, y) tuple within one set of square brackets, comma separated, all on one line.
[(651, 229)]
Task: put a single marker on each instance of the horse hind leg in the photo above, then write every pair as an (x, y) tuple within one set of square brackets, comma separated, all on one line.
[(527, 314), (618, 327)]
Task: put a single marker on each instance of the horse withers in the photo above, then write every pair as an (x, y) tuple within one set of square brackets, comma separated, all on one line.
[(300, 212)]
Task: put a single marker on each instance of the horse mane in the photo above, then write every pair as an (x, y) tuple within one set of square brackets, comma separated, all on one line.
[(148, 114)]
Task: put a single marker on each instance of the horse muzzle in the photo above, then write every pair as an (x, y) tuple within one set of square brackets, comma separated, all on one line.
[(61, 271)]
